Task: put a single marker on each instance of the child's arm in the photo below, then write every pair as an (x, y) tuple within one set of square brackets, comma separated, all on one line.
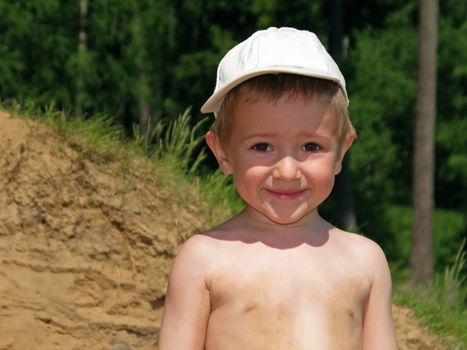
[(187, 304), (378, 326)]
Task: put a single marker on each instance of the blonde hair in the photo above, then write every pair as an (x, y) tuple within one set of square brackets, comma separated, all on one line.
[(272, 87)]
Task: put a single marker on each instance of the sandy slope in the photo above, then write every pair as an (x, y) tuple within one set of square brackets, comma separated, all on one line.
[(85, 246)]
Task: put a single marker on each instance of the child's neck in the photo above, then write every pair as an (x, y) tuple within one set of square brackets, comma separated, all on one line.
[(310, 230), (257, 220)]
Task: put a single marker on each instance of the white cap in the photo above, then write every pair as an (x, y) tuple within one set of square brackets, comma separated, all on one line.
[(274, 50)]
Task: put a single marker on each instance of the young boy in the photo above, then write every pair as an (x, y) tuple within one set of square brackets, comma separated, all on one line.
[(277, 275)]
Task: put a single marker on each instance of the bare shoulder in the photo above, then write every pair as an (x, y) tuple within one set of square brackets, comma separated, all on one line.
[(196, 243), (363, 249), (363, 244), (198, 250)]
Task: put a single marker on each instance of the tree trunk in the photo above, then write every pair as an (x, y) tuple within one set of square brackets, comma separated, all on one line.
[(345, 216), (145, 122), (142, 89), (82, 46), (421, 261)]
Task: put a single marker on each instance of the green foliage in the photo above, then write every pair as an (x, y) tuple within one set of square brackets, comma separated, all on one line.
[(382, 87), (449, 228), (38, 38), (451, 140)]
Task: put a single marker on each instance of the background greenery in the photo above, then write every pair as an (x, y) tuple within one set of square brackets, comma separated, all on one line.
[(162, 55)]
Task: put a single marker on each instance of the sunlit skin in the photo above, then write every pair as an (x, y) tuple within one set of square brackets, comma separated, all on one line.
[(277, 275), (283, 157)]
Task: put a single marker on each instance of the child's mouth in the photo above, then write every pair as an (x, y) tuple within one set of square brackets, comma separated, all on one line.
[(286, 194)]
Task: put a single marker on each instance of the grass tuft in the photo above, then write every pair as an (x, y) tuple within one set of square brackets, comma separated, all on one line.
[(218, 190), (442, 306), (449, 287), (175, 142), (99, 133)]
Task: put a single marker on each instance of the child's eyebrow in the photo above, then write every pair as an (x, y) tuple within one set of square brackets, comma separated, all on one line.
[(258, 135), (272, 135)]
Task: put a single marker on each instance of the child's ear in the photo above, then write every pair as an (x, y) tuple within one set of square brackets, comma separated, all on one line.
[(219, 153), (344, 148)]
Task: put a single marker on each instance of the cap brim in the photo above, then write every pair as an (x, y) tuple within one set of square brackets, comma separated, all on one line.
[(213, 103)]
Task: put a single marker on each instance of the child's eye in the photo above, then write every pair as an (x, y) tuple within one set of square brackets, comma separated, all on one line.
[(312, 147), (261, 147)]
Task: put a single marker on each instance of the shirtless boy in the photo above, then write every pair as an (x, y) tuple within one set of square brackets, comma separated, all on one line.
[(277, 275)]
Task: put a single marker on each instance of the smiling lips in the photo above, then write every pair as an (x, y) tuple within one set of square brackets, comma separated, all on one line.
[(286, 194)]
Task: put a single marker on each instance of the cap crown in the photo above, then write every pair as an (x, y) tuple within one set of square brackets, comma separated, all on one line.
[(274, 50)]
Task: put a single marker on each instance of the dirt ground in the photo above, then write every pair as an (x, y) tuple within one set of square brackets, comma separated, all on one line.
[(86, 243)]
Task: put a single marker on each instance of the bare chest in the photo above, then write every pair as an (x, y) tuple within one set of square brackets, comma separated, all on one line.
[(291, 299)]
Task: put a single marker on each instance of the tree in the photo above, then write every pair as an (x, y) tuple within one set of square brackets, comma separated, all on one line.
[(421, 261), (382, 87)]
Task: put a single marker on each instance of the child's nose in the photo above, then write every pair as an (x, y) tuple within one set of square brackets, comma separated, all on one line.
[(287, 169)]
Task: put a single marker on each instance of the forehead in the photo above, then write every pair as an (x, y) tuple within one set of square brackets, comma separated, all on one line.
[(286, 115)]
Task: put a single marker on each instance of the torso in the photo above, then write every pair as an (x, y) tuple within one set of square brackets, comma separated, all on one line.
[(303, 296)]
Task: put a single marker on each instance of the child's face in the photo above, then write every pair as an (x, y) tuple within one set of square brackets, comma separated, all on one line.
[(283, 156)]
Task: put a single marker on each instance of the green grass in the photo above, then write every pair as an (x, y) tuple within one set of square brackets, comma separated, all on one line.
[(98, 134), (442, 305), (219, 190), (174, 141)]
